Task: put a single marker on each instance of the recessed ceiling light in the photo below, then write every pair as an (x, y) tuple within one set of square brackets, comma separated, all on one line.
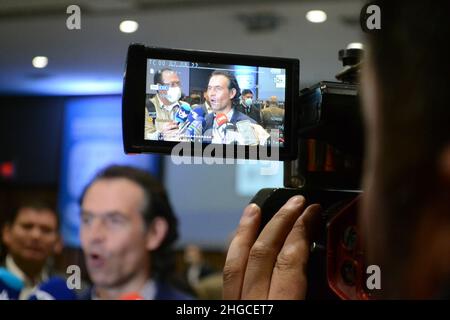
[(316, 16), (39, 62), (128, 26), (355, 45)]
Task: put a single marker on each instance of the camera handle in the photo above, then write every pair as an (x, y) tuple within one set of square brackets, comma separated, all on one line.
[(336, 265)]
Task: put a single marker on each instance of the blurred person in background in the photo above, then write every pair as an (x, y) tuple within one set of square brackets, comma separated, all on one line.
[(31, 237), (247, 106), (196, 267)]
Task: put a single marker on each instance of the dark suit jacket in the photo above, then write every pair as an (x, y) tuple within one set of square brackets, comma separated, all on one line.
[(237, 116), (253, 113)]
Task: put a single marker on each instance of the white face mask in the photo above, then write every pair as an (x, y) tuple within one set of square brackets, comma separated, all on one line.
[(248, 102), (173, 94)]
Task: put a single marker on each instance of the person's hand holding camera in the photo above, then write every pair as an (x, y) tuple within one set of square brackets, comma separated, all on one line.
[(273, 264)]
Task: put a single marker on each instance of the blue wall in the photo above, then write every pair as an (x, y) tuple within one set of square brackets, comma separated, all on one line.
[(92, 139)]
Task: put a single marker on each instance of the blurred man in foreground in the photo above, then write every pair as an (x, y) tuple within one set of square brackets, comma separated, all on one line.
[(127, 232)]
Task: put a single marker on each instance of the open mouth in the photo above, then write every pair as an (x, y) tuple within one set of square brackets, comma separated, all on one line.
[(95, 260)]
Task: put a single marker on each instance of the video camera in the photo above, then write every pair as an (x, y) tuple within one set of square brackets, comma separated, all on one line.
[(318, 133)]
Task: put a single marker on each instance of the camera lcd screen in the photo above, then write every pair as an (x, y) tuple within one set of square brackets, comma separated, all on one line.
[(208, 99)]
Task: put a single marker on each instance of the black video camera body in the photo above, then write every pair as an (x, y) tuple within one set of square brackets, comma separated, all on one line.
[(317, 133)]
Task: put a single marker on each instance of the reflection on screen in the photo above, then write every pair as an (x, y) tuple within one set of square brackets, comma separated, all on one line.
[(214, 103)]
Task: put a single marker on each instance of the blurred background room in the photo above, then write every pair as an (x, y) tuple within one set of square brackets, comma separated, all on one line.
[(60, 105)]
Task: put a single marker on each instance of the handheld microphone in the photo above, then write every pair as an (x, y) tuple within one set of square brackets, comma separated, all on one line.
[(230, 127), (53, 289), (182, 113), (193, 115), (221, 120), (10, 285), (231, 134), (195, 129), (198, 112)]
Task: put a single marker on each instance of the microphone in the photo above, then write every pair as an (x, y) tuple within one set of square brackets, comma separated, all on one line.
[(10, 285), (193, 115), (221, 120), (53, 289), (182, 113), (230, 127), (231, 133), (131, 296), (195, 129)]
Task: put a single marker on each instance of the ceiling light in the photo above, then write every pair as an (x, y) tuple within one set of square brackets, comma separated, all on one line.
[(128, 26), (40, 62), (316, 16), (355, 45)]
